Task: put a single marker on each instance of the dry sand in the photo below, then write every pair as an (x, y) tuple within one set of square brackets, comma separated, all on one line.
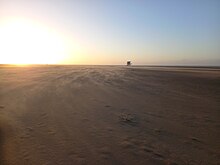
[(113, 115)]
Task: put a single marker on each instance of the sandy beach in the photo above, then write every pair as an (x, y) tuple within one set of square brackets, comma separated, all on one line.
[(109, 115)]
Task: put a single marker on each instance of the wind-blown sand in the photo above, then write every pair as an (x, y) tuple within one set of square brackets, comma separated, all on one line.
[(116, 115)]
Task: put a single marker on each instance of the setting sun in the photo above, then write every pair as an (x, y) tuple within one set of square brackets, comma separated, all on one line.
[(26, 42)]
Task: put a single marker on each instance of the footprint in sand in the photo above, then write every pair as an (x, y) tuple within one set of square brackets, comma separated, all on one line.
[(77, 158), (30, 129), (1, 107), (147, 149), (72, 153), (43, 115), (196, 139), (51, 132), (129, 119), (105, 153), (26, 135), (110, 129), (152, 152), (85, 120), (25, 155), (42, 149), (41, 124), (108, 106), (158, 156), (126, 144)]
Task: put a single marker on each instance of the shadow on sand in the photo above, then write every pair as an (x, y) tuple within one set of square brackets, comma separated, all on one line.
[(2, 162), (1, 146)]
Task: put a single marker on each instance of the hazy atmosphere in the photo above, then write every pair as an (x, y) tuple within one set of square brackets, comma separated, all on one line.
[(109, 82), (161, 32)]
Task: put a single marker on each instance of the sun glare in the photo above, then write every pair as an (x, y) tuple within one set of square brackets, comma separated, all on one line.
[(26, 42)]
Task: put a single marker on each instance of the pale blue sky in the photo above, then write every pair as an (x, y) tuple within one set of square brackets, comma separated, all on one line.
[(182, 32)]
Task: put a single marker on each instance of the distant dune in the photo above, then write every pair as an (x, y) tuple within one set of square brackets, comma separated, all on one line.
[(109, 115)]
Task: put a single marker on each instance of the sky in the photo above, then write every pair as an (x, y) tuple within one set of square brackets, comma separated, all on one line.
[(147, 32)]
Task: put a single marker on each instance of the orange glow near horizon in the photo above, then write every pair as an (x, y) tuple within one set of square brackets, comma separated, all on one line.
[(26, 42)]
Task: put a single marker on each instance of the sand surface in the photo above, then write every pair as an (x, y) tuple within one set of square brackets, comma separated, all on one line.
[(113, 115)]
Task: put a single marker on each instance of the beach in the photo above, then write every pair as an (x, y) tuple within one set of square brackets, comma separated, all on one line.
[(112, 115)]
